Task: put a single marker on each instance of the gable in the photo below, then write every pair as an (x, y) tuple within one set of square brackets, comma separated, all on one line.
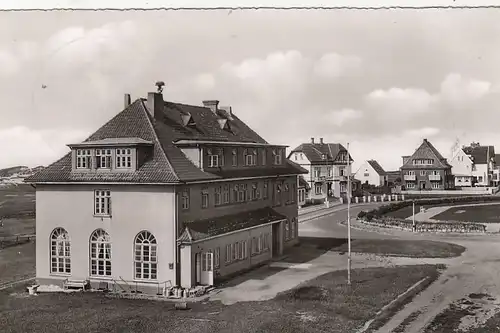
[(426, 151)]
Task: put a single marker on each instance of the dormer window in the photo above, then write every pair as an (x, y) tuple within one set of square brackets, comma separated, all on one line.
[(235, 157), (250, 156), (213, 160), (323, 156), (277, 156), (123, 158), (103, 158), (83, 158)]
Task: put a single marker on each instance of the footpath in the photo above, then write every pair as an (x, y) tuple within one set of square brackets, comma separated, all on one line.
[(311, 214)]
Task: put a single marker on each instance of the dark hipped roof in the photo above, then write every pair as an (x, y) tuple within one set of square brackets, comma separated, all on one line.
[(206, 228), (314, 151), (377, 167), (168, 163), (479, 154), (423, 152)]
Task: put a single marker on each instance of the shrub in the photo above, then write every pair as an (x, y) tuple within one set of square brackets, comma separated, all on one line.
[(369, 216), (361, 214)]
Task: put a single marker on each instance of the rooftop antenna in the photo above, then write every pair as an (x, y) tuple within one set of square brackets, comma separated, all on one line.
[(159, 86)]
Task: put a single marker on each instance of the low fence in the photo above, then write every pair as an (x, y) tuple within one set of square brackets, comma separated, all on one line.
[(15, 240), (375, 198), (457, 191)]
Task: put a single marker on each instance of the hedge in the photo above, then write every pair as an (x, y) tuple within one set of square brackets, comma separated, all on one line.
[(382, 210), (450, 226), (376, 216)]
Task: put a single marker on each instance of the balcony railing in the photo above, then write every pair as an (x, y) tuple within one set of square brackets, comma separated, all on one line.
[(410, 177), (340, 178), (434, 177)]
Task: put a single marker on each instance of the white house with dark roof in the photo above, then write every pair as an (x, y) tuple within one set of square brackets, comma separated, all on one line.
[(164, 194), (371, 172), (326, 165), (474, 165)]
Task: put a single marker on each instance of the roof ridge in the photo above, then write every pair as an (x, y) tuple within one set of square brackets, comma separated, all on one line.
[(150, 122)]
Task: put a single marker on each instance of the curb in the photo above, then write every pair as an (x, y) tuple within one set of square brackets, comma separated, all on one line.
[(387, 310)]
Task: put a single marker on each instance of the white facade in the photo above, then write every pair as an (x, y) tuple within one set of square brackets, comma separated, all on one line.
[(465, 170), (367, 174)]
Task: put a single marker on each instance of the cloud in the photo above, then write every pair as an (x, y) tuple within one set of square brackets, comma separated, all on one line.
[(205, 81), (455, 89), (401, 100), (334, 65), (338, 118), (35, 147), (422, 132)]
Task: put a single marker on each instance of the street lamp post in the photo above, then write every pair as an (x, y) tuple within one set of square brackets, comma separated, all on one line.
[(348, 217), (414, 226)]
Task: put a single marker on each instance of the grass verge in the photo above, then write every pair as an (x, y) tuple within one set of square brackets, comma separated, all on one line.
[(324, 304), (482, 214), (389, 247)]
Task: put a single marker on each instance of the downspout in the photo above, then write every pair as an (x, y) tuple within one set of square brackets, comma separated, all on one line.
[(176, 233)]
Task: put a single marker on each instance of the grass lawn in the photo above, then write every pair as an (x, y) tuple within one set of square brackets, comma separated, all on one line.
[(408, 211), (17, 201), (324, 304), (17, 262), (396, 247), (484, 214)]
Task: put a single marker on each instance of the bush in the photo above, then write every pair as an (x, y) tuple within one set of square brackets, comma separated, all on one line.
[(369, 216), (361, 214), (452, 226)]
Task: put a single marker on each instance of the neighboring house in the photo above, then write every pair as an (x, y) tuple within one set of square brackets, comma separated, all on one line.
[(371, 172), (496, 171), (426, 169), (164, 192), (475, 164), (302, 191), (327, 168)]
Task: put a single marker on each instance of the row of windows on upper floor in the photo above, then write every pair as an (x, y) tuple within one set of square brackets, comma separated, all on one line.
[(217, 156), (282, 193)]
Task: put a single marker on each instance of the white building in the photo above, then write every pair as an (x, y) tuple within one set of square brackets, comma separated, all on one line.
[(371, 172), (473, 165)]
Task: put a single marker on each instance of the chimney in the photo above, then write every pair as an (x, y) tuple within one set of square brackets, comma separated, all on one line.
[(321, 140), (228, 110), (126, 101), (211, 104), (312, 140), (155, 104)]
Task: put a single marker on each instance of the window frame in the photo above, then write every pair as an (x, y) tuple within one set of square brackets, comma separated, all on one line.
[(100, 241), (123, 158), (102, 202), (150, 243), (60, 263)]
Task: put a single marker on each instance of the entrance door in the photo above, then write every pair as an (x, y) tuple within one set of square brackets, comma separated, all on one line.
[(207, 271), (276, 239)]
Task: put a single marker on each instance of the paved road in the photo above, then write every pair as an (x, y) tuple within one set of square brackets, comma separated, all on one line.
[(476, 271)]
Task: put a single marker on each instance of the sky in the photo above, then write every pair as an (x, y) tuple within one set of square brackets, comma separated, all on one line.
[(380, 80)]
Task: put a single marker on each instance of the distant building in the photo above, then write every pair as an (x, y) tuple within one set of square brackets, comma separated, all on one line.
[(371, 172), (426, 169), (394, 177), (474, 165), (327, 168)]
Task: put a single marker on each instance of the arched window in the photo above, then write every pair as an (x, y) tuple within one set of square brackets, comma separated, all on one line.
[(146, 261), (60, 254), (100, 253)]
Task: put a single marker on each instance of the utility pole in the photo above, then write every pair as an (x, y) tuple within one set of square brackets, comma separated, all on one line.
[(414, 226), (348, 216)]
